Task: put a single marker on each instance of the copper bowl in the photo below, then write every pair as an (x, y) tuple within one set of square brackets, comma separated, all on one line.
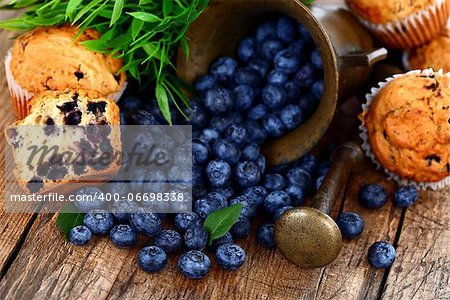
[(346, 48)]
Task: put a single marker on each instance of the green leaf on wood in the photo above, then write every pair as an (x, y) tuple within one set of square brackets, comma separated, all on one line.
[(67, 219), (219, 222)]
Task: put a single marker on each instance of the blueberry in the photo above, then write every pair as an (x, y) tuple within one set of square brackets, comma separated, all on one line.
[(223, 68), (305, 76), (220, 123), (261, 66), (195, 238), (243, 97), (88, 198), (304, 33), (308, 163), (128, 104), (265, 235), (203, 207), (256, 133), (226, 151), (266, 30), (218, 173), (274, 182), (123, 236), (168, 240), (296, 193), (152, 259), (205, 83), (299, 176), (148, 224), (373, 195), (291, 116), (247, 76), (80, 235), (275, 200), (224, 239), (200, 151), (308, 104), (261, 162), (218, 197), (351, 224), (248, 207), (185, 220), (209, 135), (269, 49), (156, 181), (292, 90), (273, 96), (142, 117), (273, 126), (287, 61), (381, 255), (250, 152), (281, 211), (197, 115), (277, 77), (241, 228), (230, 256), (316, 59), (298, 47), (317, 89), (236, 117), (218, 101), (247, 174), (99, 221), (194, 264), (236, 134), (227, 191), (247, 49), (256, 194), (405, 196), (257, 112), (286, 29)]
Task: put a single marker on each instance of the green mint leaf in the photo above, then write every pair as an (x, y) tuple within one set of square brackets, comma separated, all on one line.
[(167, 7), (163, 101), (143, 16), (219, 222), (136, 27), (117, 11), (72, 6), (67, 219)]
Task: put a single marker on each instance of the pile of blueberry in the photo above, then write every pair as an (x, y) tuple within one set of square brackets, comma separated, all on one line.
[(273, 87)]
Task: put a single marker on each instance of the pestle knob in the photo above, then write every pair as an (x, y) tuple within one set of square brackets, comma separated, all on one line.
[(308, 236)]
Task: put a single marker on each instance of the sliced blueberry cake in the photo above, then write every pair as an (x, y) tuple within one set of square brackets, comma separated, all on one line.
[(69, 137)]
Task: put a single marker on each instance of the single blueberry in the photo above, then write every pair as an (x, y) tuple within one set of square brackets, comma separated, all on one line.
[(316, 59), (381, 255), (247, 48), (89, 198), (194, 264), (275, 200), (247, 173), (218, 100), (218, 197), (273, 96), (185, 220), (248, 207), (373, 195), (256, 133), (247, 76), (286, 29), (281, 211), (406, 196), (261, 66), (196, 115), (168, 240), (226, 191), (220, 123), (205, 83), (203, 207), (269, 49), (308, 104), (224, 239), (273, 126), (80, 235), (250, 152), (152, 259), (123, 236), (257, 112), (236, 117), (287, 61), (305, 76), (218, 173), (200, 151), (308, 163), (241, 228), (148, 224), (304, 33), (298, 47), (266, 30), (227, 151), (291, 116), (129, 104), (273, 182), (296, 193), (277, 76), (230, 256), (256, 194), (209, 135), (195, 238), (243, 97), (292, 90), (236, 133), (265, 235), (142, 117), (223, 68), (299, 176), (351, 224), (317, 89), (261, 162), (99, 221)]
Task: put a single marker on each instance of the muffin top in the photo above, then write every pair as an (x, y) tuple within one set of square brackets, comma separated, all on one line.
[(408, 125), (435, 55), (385, 11), (48, 58)]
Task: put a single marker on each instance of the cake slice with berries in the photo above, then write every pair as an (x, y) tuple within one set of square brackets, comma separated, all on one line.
[(68, 138)]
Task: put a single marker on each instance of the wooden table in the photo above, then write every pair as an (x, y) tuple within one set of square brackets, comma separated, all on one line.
[(35, 261)]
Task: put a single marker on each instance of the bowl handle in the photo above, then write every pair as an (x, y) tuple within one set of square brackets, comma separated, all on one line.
[(362, 59)]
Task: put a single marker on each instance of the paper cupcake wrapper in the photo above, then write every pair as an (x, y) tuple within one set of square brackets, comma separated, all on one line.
[(365, 137), (414, 30), (21, 96)]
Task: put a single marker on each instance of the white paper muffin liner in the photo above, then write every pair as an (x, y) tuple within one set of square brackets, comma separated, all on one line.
[(21, 96), (414, 30), (366, 144)]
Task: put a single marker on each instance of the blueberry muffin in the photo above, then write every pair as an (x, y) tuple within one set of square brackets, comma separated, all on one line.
[(402, 24), (408, 126), (48, 58), (84, 151)]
